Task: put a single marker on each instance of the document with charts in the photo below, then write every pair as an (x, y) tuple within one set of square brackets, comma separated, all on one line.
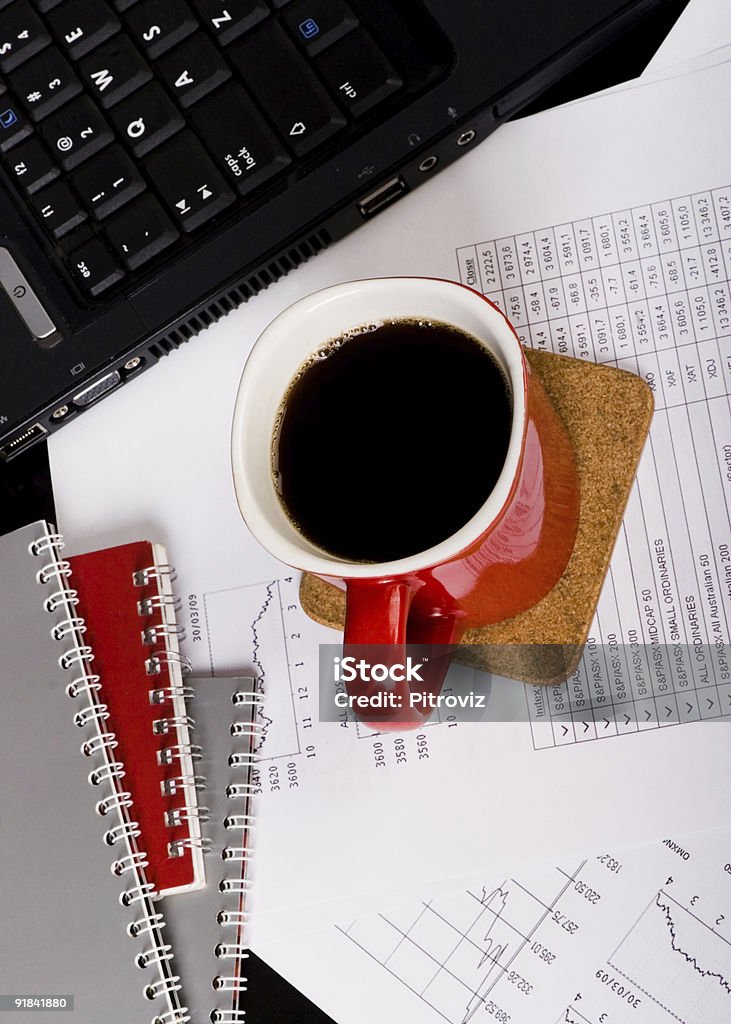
[(637, 938), (604, 231)]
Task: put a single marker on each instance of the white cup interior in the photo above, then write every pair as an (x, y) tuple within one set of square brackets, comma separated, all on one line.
[(285, 346)]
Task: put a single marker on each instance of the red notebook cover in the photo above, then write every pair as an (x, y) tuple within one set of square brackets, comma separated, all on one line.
[(126, 601)]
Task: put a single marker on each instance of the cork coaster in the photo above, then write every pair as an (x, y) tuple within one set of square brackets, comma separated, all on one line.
[(607, 413)]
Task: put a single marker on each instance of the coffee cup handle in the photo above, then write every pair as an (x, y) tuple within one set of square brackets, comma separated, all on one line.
[(381, 619)]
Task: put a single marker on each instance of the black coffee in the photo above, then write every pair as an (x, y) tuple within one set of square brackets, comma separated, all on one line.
[(390, 439)]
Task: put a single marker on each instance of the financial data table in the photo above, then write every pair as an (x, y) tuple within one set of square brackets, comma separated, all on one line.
[(648, 290)]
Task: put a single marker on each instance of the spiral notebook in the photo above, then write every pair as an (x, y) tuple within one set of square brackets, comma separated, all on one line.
[(125, 600), (66, 943), (208, 927)]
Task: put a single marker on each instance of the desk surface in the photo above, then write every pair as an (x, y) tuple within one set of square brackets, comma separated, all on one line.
[(25, 484)]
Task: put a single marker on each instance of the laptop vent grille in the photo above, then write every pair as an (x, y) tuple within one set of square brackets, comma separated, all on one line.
[(244, 291)]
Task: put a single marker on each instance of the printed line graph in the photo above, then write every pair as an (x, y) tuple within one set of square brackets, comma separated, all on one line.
[(463, 954), (679, 961), (259, 670), (249, 629), (665, 903)]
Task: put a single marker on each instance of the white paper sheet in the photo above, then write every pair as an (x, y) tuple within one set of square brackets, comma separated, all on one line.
[(682, 70), (637, 938), (346, 818), (703, 26)]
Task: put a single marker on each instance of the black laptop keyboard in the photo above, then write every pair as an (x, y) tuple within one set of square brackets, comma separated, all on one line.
[(130, 125)]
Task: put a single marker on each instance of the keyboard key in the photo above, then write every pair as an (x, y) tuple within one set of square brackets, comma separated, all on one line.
[(2, 87), (193, 70), (122, 5), (59, 209), (358, 73), (231, 18), (31, 166), (140, 231), (75, 239), (14, 125), (22, 35), (281, 80), (75, 132), (45, 83), (158, 25), (94, 268), (83, 24), (190, 186), (146, 119), (107, 182), (114, 70), (239, 140), (316, 24)]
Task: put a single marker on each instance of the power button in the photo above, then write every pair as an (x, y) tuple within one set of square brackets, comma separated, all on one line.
[(26, 302)]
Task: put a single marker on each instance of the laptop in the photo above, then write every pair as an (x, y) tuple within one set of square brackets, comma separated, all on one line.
[(162, 161)]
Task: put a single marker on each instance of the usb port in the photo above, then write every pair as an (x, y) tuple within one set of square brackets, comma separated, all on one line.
[(23, 441), (382, 197)]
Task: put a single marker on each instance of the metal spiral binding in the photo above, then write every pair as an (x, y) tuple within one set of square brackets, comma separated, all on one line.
[(225, 917), (102, 741), (125, 831), (154, 664), (231, 982), (113, 803), (163, 726), (240, 823), (236, 790), (234, 885), (77, 656), (178, 846), (107, 772), (149, 604), (167, 694), (152, 634), (180, 783), (91, 713), (179, 815), (179, 752), (144, 925), (248, 699), (83, 684), (118, 802), (59, 598), (178, 725), (154, 955), (68, 627), (239, 760), (143, 577)]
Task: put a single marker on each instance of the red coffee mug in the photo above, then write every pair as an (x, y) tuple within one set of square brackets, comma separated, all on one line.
[(502, 562)]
